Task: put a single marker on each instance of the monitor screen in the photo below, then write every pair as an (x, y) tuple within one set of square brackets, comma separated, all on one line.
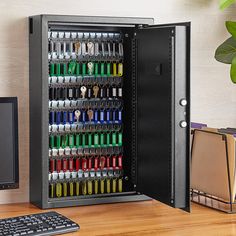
[(9, 171)]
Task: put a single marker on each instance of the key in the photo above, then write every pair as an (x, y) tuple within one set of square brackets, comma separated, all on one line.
[(77, 115), (114, 69), (90, 46), (120, 69), (83, 90), (84, 188), (78, 48), (90, 68), (65, 191), (108, 185), (71, 185), (96, 186), (77, 184), (58, 190), (90, 187), (113, 185), (120, 185), (120, 139), (95, 91), (65, 165), (90, 114), (71, 164), (120, 162), (102, 185)]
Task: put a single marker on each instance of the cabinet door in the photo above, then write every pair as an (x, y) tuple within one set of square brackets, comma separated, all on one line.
[(163, 113)]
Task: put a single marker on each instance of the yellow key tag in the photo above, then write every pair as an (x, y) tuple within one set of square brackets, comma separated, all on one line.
[(120, 185), (108, 185), (77, 188), (52, 190), (114, 69), (96, 186), (58, 190), (65, 189), (90, 187), (84, 188), (71, 188), (114, 185), (120, 69), (102, 185)]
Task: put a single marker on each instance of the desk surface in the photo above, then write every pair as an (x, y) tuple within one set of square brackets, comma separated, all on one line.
[(138, 218)]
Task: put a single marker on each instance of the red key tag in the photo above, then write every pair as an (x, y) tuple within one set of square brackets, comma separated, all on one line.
[(52, 165), (58, 165), (114, 162), (77, 164), (102, 162), (84, 164), (90, 163), (95, 163), (120, 162), (108, 162), (65, 165), (71, 164)]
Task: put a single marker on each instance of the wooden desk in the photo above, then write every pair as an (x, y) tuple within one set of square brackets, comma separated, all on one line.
[(138, 218)]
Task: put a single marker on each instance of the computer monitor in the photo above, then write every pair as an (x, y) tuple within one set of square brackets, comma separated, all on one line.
[(9, 166)]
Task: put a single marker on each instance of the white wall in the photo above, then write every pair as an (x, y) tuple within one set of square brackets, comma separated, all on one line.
[(213, 94)]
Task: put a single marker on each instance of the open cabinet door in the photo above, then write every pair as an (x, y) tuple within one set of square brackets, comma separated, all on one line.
[(163, 113)]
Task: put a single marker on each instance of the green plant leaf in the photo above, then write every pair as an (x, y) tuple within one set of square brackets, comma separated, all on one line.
[(225, 3), (233, 70), (231, 27), (226, 51)]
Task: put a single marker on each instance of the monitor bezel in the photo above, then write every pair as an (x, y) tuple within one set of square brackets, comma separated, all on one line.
[(15, 183)]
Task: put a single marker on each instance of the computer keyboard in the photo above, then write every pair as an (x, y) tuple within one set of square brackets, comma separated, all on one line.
[(48, 223)]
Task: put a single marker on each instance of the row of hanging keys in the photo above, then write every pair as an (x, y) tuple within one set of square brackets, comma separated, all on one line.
[(84, 92), (101, 45), (89, 186)]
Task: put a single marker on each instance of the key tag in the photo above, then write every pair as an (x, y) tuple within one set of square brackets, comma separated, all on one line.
[(90, 68), (120, 185), (121, 50), (90, 187), (90, 47), (114, 49), (95, 186), (77, 187), (84, 188), (108, 181), (114, 180), (58, 190), (120, 69), (83, 50), (102, 185), (71, 68), (114, 69), (96, 49), (109, 49), (71, 186)]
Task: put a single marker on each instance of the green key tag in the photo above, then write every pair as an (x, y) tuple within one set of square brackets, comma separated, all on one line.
[(65, 69), (63, 141), (120, 138), (78, 69), (108, 139), (64, 189), (84, 188), (102, 186), (71, 67), (89, 140), (114, 142), (114, 185), (58, 190), (120, 183), (58, 66), (83, 140), (52, 69), (102, 69), (108, 185), (90, 187), (96, 140), (51, 190), (71, 189), (71, 141), (58, 141), (77, 140), (102, 140), (77, 188), (52, 141), (96, 186), (96, 69), (83, 69), (108, 69)]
